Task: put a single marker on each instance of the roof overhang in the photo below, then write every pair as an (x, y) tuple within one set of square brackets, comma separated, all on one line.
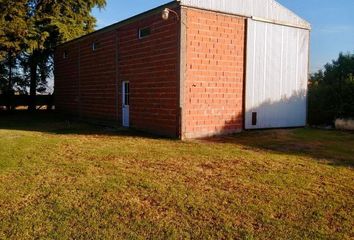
[(260, 10)]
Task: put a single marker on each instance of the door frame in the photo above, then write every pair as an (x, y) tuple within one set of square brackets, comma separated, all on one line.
[(125, 106)]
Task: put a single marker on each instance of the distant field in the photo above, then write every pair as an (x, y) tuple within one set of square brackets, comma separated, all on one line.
[(66, 180)]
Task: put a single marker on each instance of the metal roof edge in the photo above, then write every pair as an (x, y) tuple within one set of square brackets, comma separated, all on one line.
[(121, 23), (292, 12), (306, 26)]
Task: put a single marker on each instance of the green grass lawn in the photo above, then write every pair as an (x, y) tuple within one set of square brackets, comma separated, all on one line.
[(65, 180)]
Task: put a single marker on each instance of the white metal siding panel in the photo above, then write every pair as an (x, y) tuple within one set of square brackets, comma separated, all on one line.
[(266, 9), (276, 75)]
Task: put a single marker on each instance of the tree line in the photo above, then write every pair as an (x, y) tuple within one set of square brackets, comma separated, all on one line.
[(29, 32), (331, 91)]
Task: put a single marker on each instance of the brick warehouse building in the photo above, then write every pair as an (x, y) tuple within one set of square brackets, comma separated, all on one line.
[(191, 68)]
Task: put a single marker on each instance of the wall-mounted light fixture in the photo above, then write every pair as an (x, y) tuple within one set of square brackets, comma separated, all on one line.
[(166, 14)]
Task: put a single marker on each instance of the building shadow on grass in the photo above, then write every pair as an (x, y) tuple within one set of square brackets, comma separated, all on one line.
[(332, 147), (326, 146), (54, 123)]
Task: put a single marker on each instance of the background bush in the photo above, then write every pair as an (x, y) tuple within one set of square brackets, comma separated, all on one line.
[(331, 91)]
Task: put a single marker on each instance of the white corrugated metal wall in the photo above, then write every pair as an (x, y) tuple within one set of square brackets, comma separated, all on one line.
[(277, 75)]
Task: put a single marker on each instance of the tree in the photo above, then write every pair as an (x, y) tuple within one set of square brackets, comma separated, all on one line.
[(29, 31), (3, 79), (53, 22), (331, 91), (13, 38)]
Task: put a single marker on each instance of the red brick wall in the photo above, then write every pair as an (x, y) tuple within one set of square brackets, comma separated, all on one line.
[(151, 67), (212, 80), (214, 77), (67, 79), (85, 82), (98, 77)]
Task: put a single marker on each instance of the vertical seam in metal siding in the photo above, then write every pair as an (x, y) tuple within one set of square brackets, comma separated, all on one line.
[(286, 60), (253, 60), (264, 67), (281, 62)]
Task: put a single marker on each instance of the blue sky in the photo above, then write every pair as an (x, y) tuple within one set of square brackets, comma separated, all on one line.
[(332, 22)]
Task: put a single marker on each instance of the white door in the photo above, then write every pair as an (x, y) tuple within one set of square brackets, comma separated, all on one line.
[(125, 103), (277, 74)]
